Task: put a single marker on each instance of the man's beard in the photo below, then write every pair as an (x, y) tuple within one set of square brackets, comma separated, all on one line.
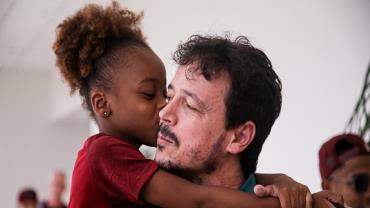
[(168, 165), (208, 166), (171, 168)]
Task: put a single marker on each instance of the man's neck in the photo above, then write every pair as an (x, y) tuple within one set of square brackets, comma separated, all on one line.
[(228, 174)]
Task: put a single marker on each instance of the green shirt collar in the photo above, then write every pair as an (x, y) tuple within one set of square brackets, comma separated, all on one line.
[(249, 184)]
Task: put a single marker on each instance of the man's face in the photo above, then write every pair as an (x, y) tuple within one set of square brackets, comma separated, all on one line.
[(192, 135), (342, 181)]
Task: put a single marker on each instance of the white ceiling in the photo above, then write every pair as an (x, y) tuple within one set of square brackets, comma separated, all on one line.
[(27, 30)]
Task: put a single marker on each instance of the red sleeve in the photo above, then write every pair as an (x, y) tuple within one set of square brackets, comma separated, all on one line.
[(119, 169)]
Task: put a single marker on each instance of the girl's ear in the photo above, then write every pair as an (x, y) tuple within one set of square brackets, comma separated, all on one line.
[(100, 104), (242, 137)]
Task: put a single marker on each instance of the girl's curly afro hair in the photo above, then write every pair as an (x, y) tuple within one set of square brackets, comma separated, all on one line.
[(87, 45)]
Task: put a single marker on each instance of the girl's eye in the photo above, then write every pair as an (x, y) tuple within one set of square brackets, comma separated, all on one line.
[(149, 96)]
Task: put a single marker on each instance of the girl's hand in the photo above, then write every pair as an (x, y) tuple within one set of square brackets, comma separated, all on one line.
[(291, 194)]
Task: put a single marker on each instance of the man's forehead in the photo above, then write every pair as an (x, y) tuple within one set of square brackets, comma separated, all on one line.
[(193, 72), (190, 72), (200, 89), (196, 82)]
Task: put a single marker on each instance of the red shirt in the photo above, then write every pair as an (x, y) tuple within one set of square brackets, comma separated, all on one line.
[(109, 172)]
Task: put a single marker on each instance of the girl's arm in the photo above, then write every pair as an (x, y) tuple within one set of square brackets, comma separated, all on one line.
[(167, 190)]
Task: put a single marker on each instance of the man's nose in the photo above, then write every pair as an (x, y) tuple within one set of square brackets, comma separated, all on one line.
[(168, 113)]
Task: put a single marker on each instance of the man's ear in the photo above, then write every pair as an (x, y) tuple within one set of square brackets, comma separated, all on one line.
[(100, 104), (242, 136)]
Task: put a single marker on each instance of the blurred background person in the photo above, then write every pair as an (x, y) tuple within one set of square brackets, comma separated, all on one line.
[(345, 169), (57, 187), (27, 198)]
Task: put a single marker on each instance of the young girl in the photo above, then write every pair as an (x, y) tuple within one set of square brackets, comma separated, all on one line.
[(102, 53)]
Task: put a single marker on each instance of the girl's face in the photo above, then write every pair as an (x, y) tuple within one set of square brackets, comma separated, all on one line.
[(138, 93)]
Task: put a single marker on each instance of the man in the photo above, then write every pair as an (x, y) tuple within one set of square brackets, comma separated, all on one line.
[(222, 103), (57, 186), (345, 169)]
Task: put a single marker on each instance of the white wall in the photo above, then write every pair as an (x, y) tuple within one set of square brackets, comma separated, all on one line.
[(32, 142), (320, 49), (63, 105)]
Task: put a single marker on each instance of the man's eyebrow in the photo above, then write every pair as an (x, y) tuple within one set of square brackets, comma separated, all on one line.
[(193, 96)]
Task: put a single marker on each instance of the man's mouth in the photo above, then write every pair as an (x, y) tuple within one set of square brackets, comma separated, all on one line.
[(162, 140), (166, 136)]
